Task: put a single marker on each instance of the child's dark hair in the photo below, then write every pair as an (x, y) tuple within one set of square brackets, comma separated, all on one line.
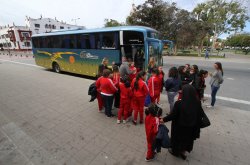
[(202, 72), (115, 68), (155, 71), (154, 110), (125, 80), (139, 75)]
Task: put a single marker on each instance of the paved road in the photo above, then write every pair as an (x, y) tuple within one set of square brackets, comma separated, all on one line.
[(237, 80)]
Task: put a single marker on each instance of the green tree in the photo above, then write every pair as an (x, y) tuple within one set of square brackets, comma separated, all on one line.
[(223, 16), (112, 23), (173, 23), (240, 40)]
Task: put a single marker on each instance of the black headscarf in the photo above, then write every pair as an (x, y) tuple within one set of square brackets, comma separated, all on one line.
[(189, 106)]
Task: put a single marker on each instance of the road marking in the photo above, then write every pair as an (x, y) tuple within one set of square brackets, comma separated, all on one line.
[(229, 78), (230, 99), (20, 63)]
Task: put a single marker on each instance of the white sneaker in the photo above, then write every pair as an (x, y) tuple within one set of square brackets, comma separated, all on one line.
[(210, 106), (124, 121), (118, 122)]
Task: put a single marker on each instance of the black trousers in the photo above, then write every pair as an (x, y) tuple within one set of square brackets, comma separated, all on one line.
[(108, 102)]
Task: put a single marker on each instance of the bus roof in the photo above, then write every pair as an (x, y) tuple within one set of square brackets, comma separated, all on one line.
[(107, 29)]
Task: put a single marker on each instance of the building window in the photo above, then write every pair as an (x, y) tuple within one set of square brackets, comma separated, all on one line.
[(68, 27), (37, 25), (53, 27), (46, 26), (9, 44), (27, 44), (61, 27)]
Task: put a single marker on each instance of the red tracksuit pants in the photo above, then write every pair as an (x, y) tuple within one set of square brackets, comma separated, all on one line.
[(124, 109), (154, 98), (138, 106), (150, 142), (100, 101)]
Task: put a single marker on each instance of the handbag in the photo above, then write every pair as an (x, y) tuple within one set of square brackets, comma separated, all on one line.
[(205, 122)]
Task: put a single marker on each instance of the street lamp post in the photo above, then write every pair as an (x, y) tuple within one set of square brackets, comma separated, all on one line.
[(75, 19)]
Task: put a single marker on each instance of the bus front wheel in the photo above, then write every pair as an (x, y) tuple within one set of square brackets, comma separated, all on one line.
[(56, 68)]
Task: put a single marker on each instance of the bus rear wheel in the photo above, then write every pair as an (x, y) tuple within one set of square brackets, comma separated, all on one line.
[(56, 68)]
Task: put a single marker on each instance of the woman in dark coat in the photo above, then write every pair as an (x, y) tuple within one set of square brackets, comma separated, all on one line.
[(186, 119)]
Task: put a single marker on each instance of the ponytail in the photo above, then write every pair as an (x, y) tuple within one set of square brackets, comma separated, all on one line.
[(140, 75)]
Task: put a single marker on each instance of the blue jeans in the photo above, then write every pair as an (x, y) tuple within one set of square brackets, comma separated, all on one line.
[(171, 96), (213, 94), (108, 102)]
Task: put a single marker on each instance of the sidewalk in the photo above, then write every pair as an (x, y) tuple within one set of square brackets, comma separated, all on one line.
[(50, 122)]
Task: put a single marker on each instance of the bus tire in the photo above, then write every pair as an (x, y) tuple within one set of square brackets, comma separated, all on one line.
[(56, 67)]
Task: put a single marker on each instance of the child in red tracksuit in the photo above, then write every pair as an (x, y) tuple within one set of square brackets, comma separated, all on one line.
[(140, 91), (151, 128), (125, 99), (132, 68), (161, 78), (154, 85)]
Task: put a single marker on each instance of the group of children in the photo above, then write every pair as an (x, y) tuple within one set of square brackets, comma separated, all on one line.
[(130, 91)]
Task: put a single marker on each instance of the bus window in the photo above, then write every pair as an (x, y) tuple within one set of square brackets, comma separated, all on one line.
[(65, 41), (85, 42), (97, 40), (57, 41), (79, 41), (92, 41), (133, 37), (110, 40), (72, 42)]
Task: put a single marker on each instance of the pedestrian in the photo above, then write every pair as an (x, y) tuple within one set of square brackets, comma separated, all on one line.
[(125, 99), (151, 66), (184, 79), (154, 85), (187, 67), (107, 89), (116, 80), (206, 54), (172, 86), (151, 128), (104, 65), (215, 82), (203, 74), (194, 74), (133, 69), (186, 122), (140, 91), (161, 78), (124, 68)]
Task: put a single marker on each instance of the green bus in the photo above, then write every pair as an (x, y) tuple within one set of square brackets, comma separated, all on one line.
[(81, 51)]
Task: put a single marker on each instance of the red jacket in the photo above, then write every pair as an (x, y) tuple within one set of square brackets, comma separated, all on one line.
[(154, 85), (151, 126), (125, 93), (142, 91), (116, 79), (105, 86), (161, 78), (133, 75)]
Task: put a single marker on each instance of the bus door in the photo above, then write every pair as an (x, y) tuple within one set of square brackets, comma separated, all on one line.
[(154, 50)]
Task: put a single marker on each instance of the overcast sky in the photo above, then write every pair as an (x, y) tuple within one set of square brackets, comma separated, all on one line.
[(91, 12)]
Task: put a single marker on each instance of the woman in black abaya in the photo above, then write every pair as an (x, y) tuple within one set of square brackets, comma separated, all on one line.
[(186, 119)]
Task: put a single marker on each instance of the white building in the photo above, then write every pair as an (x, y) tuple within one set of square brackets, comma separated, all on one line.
[(15, 37), (46, 25), (19, 37)]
